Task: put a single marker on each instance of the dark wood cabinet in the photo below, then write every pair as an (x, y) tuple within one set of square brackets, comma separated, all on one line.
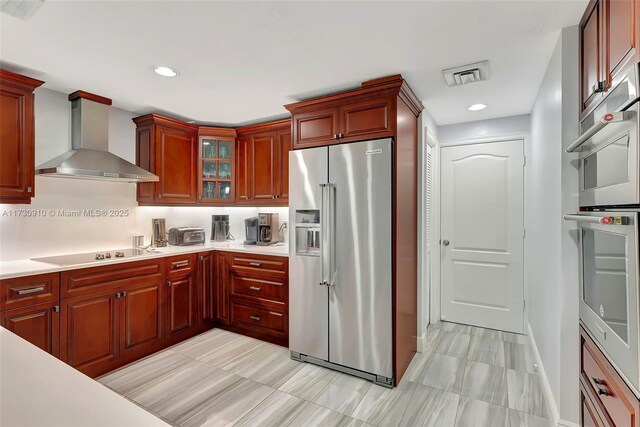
[(17, 137), (316, 128), (216, 166), (141, 314), (181, 296), (89, 332), (222, 288), (206, 288), (367, 119), (39, 324), (167, 148), (610, 402), (263, 172), (609, 32), (588, 413)]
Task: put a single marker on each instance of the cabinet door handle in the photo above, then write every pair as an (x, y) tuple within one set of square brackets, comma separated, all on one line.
[(118, 294), (336, 136), (255, 288), (56, 308), (169, 284), (258, 318), (30, 290), (255, 264), (181, 264), (602, 389), (158, 196), (124, 293)]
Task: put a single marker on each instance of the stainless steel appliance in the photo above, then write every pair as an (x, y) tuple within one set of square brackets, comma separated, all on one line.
[(251, 230), (89, 157), (609, 285), (268, 229), (609, 162), (340, 260), (220, 228), (158, 233), (185, 236)]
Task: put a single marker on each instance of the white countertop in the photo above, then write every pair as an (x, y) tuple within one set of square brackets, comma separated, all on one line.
[(40, 390), (27, 267)]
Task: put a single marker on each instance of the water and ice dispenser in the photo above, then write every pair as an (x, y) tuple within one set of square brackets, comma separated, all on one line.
[(307, 229)]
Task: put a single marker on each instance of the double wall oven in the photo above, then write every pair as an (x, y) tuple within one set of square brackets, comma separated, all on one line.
[(609, 239)]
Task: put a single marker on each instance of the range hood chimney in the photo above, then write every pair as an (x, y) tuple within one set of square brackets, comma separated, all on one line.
[(89, 157)]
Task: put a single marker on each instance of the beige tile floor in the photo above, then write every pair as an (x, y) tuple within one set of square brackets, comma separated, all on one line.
[(467, 377)]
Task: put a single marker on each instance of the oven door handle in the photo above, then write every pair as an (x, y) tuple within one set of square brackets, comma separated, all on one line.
[(598, 126), (604, 220)]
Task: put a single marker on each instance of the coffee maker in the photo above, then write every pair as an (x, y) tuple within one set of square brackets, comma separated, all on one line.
[(220, 228), (268, 229), (251, 230)]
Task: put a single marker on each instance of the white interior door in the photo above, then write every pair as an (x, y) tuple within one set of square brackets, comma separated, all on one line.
[(482, 233)]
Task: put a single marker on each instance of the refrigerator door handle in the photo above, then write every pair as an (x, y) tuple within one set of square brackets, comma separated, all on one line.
[(331, 192), (324, 246)]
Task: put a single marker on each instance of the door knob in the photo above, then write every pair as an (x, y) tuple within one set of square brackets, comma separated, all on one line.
[(445, 242)]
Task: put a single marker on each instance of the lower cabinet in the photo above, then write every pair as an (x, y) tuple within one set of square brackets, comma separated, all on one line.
[(205, 281), (222, 288), (181, 298), (39, 324), (141, 315)]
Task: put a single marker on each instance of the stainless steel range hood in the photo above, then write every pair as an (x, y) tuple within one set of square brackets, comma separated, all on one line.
[(90, 157)]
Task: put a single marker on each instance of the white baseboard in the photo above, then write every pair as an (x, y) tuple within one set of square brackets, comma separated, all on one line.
[(420, 342), (563, 423), (551, 403)]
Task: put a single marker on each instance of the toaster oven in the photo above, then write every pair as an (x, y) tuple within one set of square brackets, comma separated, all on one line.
[(184, 236)]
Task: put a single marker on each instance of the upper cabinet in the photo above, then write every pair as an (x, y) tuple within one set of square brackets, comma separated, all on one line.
[(216, 166), (17, 137), (609, 32), (194, 164), (369, 112), (263, 163)]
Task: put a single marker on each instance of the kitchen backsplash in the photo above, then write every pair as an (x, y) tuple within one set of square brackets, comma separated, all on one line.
[(72, 215)]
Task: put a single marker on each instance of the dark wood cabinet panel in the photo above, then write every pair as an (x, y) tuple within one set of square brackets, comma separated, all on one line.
[(89, 332), (370, 118), (622, 19), (260, 321), (176, 154), (23, 291), (616, 403), (180, 265), (316, 128), (591, 55), (181, 305), (39, 324), (263, 178), (141, 315), (588, 413), (17, 137), (145, 158), (282, 168), (243, 170), (258, 288), (222, 288), (206, 287)]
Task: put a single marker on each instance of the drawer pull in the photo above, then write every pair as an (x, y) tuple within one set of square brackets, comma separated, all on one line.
[(602, 390), (258, 318), (30, 290), (255, 264), (255, 288), (181, 264)]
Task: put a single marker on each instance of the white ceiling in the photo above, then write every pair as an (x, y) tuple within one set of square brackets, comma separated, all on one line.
[(240, 62)]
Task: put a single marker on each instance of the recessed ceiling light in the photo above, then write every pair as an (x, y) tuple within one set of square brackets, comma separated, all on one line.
[(165, 71), (476, 107)]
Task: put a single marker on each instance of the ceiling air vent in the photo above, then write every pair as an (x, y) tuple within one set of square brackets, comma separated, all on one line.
[(465, 74), (23, 9)]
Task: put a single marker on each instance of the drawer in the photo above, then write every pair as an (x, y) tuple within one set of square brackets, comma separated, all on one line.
[(24, 291), (257, 318), (618, 402), (245, 264), (76, 282), (178, 265), (259, 288)]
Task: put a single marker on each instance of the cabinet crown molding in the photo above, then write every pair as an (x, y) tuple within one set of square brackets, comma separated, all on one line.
[(389, 85), (90, 96), (157, 119), (264, 127), (18, 80)]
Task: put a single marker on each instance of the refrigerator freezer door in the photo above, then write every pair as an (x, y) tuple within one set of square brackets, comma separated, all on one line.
[(360, 300), (308, 300)]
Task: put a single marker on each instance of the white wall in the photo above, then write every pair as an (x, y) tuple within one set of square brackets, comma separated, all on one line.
[(551, 252), (503, 126), (47, 234)]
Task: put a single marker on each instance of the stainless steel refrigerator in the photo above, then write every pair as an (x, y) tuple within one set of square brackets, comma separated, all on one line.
[(340, 260)]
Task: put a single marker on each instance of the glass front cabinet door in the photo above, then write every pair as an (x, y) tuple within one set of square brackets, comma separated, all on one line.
[(216, 169)]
